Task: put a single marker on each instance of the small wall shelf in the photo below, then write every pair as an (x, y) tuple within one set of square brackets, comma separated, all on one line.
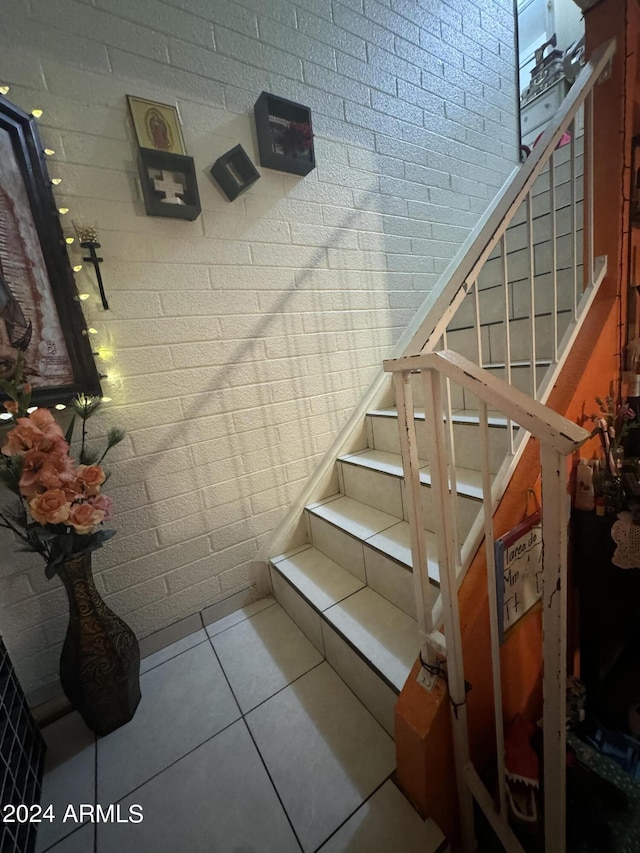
[(234, 172), (169, 185), (285, 135)]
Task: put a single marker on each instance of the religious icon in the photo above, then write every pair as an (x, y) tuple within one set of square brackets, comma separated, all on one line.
[(159, 130), (170, 184), (156, 125), (39, 312)]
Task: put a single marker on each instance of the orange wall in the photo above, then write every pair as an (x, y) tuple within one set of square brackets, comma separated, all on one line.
[(423, 721)]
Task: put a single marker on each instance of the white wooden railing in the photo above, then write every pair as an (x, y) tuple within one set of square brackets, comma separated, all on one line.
[(446, 376)]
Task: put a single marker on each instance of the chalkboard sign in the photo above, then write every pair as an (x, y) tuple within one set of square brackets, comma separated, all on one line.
[(518, 556)]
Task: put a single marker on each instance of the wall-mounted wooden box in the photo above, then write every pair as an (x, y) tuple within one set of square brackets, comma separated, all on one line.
[(234, 172), (169, 185), (285, 135)]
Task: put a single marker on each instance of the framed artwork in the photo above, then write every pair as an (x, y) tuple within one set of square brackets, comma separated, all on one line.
[(285, 135), (39, 311), (156, 125), (169, 185)]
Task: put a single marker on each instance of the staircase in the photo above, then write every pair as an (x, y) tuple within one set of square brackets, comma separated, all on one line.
[(350, 588), (508, 308)]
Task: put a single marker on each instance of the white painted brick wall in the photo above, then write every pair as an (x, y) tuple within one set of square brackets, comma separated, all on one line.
[(236, 345)]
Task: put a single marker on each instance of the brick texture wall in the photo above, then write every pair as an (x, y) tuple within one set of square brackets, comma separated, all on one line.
[(237, 345)]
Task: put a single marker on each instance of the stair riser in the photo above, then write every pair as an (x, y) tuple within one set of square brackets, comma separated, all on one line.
[(491, 299), (520, 377), (385, 576), (520, 339), (374, 693), (464, 341), (384, 435), (385, 492)]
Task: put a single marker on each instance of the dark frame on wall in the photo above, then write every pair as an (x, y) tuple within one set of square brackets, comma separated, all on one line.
[(285, 135), (177, 196), (39, 311)]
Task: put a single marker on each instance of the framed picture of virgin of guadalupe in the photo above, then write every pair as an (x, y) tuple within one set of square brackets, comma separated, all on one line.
[(39, 312), (156, 125)]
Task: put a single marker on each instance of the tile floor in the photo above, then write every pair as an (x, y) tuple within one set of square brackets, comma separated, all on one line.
[(245, 741)]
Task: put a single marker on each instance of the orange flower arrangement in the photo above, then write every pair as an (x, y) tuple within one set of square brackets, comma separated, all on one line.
[(60, 509)]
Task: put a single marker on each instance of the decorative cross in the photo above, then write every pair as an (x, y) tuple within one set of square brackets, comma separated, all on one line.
[(168, 185)]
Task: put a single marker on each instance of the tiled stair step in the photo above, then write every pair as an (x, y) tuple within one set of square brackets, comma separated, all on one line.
[(468, 482), (370, 643), (375, 477), (382, 426), (372, 545)]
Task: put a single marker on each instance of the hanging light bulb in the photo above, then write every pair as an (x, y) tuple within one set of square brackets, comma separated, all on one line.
[(5, 416), (92, 331), (83, 296), (60, 406), (4, 90), (77, 268), (69, 240), (49, 152), (36, 113), (106, 399), (56, 181), (31, 409), (63, 210)]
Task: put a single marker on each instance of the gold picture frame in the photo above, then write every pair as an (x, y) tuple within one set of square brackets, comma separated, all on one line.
[(157, 126)]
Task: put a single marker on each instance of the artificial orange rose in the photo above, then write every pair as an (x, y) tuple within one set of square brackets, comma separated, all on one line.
[(10, 406), (92, 477), (50, 507), (84, 517)]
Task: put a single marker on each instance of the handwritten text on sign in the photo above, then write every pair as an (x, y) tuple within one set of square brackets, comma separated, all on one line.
[(518, 572)]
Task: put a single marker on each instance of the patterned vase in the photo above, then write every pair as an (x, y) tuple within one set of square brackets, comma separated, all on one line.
[(100, 660)]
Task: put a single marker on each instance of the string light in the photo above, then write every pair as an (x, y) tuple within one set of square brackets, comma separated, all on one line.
[(106, 399), (36, 113), (60, 406), (106, 353), (69, 240), (49, 152), (5, 416), (63, 210), (56, 181), (83, 296), (4, 90), (77, 268), (31, 409), (92, 331)]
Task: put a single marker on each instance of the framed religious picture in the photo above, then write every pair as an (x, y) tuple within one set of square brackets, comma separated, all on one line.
[(39, 311), (156, 125), (169, 185)]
